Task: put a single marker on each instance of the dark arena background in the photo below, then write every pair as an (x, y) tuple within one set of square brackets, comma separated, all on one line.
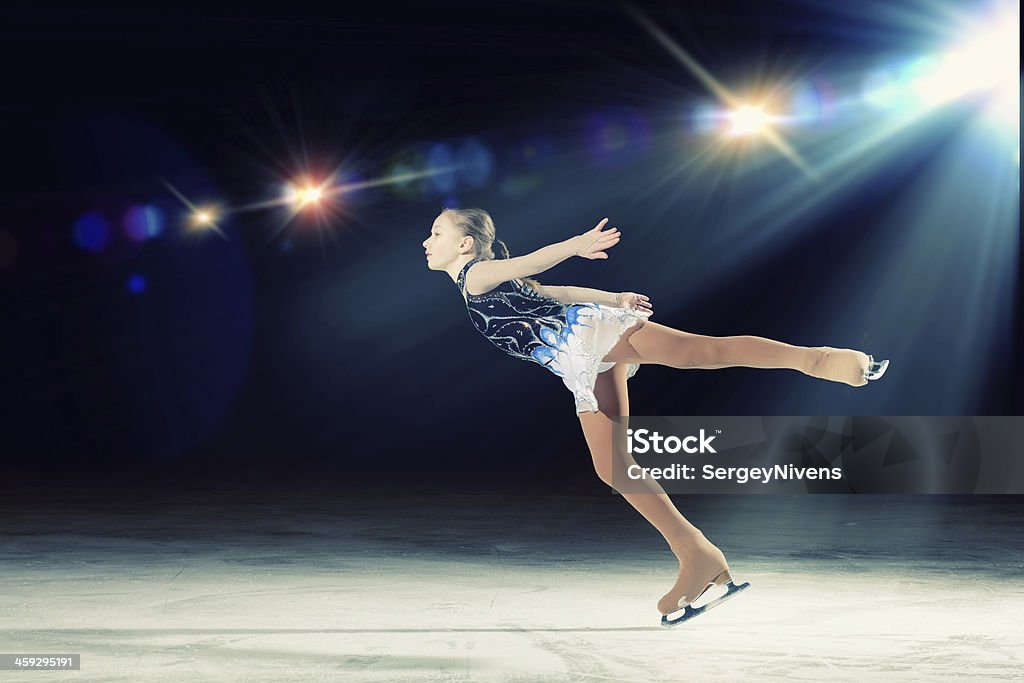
[(247, 434)]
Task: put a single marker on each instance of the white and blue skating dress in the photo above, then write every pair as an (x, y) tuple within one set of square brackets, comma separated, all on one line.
[(568, 339)]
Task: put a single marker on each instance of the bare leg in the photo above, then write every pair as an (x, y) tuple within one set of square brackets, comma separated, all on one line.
[(655, 343), (699, 560)]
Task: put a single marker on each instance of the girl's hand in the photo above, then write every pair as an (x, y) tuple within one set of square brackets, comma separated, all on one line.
[(635, 302), (593, 242)]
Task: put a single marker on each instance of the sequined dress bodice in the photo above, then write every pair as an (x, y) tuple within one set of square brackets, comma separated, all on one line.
[(514, 317)]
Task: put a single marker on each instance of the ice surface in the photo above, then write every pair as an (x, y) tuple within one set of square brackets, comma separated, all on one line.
[(476, 588)]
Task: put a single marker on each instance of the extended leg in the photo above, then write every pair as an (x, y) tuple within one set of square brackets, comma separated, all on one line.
[(656, 343)]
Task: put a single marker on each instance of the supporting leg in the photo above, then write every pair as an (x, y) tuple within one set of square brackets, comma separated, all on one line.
[(699, 560)]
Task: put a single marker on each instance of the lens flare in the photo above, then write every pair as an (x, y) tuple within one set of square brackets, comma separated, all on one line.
[(143, 222), (91, 232), (136, 283)]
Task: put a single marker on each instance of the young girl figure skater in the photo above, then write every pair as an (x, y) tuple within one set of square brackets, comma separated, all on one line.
[(594, 341)]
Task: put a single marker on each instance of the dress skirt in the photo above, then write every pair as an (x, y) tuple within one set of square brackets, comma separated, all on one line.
[(592, 330)]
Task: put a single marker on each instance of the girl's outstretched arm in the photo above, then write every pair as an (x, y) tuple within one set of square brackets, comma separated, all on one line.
[(486, 275), (576, 295)]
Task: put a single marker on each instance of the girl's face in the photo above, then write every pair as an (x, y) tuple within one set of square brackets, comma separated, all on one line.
[(442, 247)]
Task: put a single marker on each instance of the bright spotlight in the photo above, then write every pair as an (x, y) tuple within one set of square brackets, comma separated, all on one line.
[(987, 60), (304, 196), (995, 54), (748, 120), (202, 218)]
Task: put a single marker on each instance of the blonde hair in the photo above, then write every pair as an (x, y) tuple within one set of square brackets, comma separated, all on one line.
[(477, 223)]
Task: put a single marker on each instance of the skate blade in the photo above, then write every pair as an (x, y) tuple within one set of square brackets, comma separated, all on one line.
[(691, 612), (876, 369)]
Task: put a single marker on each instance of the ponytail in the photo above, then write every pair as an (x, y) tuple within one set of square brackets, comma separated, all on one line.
[(477, 223), (499, 249)]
